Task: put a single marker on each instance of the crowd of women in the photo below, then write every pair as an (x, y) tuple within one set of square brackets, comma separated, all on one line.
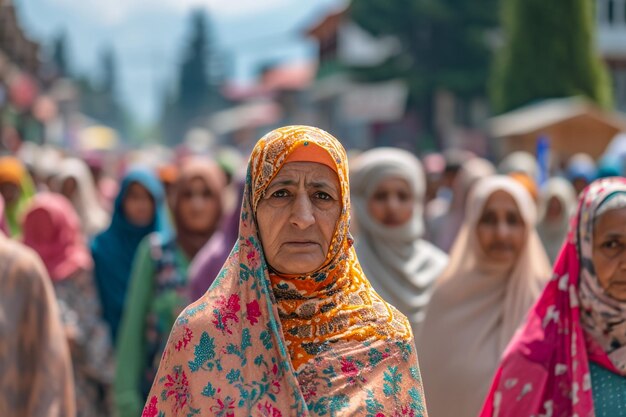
[(307, 286)]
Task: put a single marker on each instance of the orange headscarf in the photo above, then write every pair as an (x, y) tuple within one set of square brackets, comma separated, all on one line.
[(11, 170)]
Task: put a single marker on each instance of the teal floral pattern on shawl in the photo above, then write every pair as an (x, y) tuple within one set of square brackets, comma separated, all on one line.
[(229, 353)]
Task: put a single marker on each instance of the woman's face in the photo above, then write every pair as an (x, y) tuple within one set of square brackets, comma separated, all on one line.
[(297, 216), (69, 187), (198, 206), (138, 205), (392, 202), (609, 252), (501, 230), (554, 209), (10, 192)]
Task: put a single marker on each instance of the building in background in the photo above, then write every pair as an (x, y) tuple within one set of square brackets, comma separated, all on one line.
[(611, 31)]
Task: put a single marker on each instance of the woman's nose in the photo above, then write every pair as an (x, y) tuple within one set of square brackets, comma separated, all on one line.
[(502, 230), (302, 212)]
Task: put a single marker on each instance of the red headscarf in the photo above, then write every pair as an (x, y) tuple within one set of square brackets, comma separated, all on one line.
[(51, 227)]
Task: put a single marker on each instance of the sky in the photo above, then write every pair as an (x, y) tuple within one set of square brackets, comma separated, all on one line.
[(146, 36)]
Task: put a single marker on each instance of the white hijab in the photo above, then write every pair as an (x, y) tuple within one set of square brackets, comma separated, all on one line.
[(93, 217), (477, 305), (553, 233), (399, 264)]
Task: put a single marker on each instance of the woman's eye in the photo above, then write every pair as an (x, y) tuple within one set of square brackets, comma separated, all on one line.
[(280, 194), (488, 219), (380, 196), (611, 244), (324, 196), (512, 220)]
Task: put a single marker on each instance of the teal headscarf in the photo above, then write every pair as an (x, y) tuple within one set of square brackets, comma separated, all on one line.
[(114, 249)]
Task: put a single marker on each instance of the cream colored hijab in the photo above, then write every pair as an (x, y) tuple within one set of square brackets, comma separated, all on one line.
[(399, 264), (553, 233), (476, 307), (93, 217)]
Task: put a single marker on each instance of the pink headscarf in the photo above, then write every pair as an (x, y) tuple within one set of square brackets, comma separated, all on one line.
[(4, 227), (51, 227), (545, 369)]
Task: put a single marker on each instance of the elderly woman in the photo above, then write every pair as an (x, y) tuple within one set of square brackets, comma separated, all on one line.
[(291, 326), (159, 286), (388, 189), (52, 228), (497, 269), (570, 357)]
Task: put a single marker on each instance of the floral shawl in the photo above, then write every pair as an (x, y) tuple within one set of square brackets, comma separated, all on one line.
[(545, 370), (258, 344)]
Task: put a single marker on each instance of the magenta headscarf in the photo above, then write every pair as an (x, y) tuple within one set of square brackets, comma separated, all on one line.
[(545, 369), (52, 228), (4, 227)]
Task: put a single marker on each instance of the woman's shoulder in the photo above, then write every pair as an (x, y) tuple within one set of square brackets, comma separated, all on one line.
[(434, 251), (18, 257), (21, 266)]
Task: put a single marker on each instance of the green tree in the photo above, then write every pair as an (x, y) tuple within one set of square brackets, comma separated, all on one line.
[(548, 52), (109, 70), (197, 92), (444, 43), (60, 55)]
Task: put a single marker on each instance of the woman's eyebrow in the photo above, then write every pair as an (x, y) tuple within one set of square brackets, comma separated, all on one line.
[(282, 183), (612, 235), (312, 184), (319, 184)]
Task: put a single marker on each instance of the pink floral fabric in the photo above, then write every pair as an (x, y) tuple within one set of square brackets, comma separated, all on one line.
[(545, 369)]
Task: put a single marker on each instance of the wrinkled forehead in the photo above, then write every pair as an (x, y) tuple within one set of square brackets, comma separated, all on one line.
[(295, 144), (599, 197)]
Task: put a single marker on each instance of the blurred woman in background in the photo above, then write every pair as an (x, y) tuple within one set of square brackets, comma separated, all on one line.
[(557, 203), (51, 227), (444, 228), (17, 188), (388, 189), (35, 367), (139, 210), (75, 182), (497, 270), (581, 171), (209, 261), (158, 287)]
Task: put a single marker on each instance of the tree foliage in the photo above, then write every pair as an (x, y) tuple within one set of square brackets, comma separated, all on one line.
[(444, 42), (197, 94), (549, 52)]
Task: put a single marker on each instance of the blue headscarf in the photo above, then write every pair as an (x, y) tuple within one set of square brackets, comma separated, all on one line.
[(114, 249)]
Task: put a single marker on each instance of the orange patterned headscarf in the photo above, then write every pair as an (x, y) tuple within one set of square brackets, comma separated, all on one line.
[(262, 344)]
